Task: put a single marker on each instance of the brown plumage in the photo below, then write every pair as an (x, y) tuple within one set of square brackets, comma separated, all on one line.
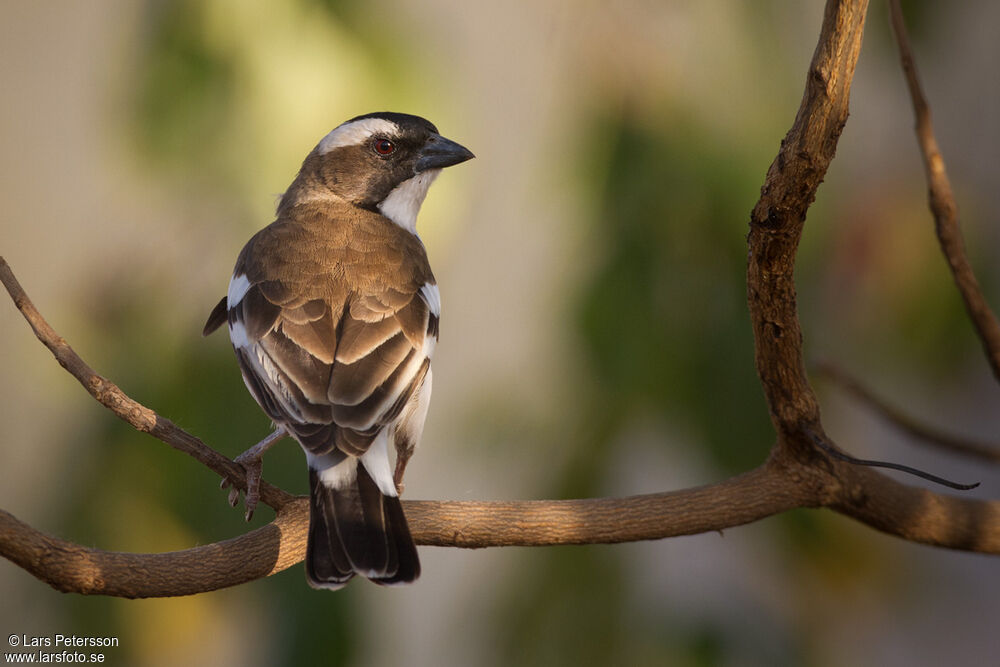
[(333, 312)]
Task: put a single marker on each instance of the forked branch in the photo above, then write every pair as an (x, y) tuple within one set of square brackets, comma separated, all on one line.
[(797, 474)]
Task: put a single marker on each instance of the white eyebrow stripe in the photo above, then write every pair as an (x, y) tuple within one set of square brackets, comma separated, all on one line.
[(355, 132)]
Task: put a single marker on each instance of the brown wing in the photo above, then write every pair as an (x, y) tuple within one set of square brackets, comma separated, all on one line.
[(332, 339)]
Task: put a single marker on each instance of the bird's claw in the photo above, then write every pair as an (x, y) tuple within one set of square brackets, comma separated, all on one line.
[(402, 458), (254, 467)]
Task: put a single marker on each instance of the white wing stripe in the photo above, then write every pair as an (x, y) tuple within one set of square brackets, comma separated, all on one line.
[(238, 287), (238, 334), (430, 293)]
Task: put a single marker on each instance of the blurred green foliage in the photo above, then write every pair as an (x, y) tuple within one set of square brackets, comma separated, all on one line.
[(663, 317), (662, 324), (187, 89), (665, 330)]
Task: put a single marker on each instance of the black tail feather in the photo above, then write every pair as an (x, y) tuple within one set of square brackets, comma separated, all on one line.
[(408, 568), (327, 564), (357, 530)]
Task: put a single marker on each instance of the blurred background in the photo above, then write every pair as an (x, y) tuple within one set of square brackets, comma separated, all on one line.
[(595, 339)]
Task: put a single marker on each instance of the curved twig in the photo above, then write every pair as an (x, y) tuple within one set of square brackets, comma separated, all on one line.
[(942, 203), (905, 422), (139, 416)]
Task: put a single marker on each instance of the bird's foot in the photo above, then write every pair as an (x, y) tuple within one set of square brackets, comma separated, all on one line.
[(402, 458), (253, 463)]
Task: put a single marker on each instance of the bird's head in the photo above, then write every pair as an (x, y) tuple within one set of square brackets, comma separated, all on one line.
[(380, 161)]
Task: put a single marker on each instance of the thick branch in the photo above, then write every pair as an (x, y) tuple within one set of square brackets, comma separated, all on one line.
[(917, 514), (72, 568), (777, 220), (942, 203), (911, 513), (776, 226), (754, 495)]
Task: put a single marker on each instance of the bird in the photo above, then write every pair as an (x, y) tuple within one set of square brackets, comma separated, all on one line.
[(333, 312)]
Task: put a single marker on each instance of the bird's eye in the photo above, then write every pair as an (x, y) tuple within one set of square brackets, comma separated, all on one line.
[(383, 147)]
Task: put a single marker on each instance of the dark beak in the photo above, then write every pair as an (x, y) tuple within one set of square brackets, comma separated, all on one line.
[(439, 153)]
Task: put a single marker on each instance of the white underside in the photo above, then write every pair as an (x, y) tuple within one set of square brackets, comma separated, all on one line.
[(341, 474), (376, 462)]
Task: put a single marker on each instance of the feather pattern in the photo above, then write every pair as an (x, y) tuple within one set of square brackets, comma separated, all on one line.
[(348, 346), (334, 313), (331, 329)]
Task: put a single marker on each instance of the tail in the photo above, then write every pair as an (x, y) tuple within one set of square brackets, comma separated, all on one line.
[(356, 529)]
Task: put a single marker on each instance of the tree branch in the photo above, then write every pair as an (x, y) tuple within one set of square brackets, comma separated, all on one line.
[(796, 474), (917, 514), (70, 567), (942, 203), (905, 422), (777, 220), (776, 225), (134, 413)]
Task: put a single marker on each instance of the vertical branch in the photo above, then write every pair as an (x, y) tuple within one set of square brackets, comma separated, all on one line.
[(942, 203), (777, 220)]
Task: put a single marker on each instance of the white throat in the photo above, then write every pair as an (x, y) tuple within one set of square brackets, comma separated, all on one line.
[(403, 203)]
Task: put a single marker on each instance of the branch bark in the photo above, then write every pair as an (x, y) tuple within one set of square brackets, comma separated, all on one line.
[(779, 216), (796, 474), (70, 567)]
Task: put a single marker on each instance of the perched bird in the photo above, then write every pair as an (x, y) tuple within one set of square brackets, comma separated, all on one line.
[(333, 312)]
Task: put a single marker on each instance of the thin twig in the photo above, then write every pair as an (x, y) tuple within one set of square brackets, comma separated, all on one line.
[(909, 470), (139, 416), (942, 203), (905, 422)]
